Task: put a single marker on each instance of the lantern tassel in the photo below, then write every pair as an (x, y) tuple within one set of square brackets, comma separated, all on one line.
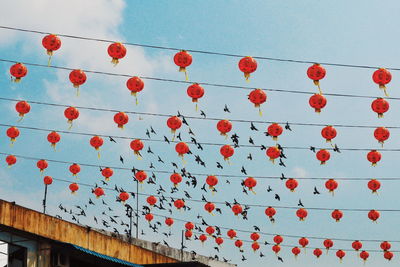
[(114, 61), (49, 61), (98, 154), (383, 87), (21, 118), (70, 124), (138, 156), (53, 145), (247, 76), (319, 88), (259, 111)]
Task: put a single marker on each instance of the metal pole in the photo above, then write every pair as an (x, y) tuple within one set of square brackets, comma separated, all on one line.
[(137, 209), (130, 223), (45, 198), (182, 245)]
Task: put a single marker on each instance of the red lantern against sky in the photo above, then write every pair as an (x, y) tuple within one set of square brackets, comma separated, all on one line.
[(227, 151), (151, 200), (141, 176), (175, 178), (219, 240), (183, 60), (42, 165), (276, 248), (250, 183), (107, 173), (174, 123), (51, 43), (224, 127), (381, 134), (254, 236), (303, 242), (137, 145), (74, 169), (169, 221), (123, 196), (382, 77), (47, 180), (388, 255), (182, 148), (188, 234), (296, 251), (135, 85), (121, 118), (12, 133), (209, 207), (373, 215), (364, 255), (273, 153), (380, 106), (179, 204), (258, 97), (11, 160), (328, 244), (71, 113), (270, 212), (278, 239), (317, 102), (316, 73), (77, 78), (189, 226), (317, 252), (255, 246), (291, 184), (385, 246), (195, 91), (203, 238), (374, 157), (337, 215), (275, 130), (116, 51), (237, 209), (210, 230), (331, 185), (374, 185), (53, 139), (149, 217), (212, 181), (247, 65), (22, 107), (302, 214), (340, 254), (231, 233), (356, 245), (328, 133), (239, 243), (73, 187), (18, 71), (323, 155), (96, 142)]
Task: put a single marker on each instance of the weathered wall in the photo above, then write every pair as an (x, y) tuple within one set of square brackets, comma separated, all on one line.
[(40, 224)]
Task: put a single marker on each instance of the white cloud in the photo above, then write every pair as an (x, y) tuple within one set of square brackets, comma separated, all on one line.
[(300, 172)]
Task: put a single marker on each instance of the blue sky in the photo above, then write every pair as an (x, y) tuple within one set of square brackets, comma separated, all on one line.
[(320, 31)]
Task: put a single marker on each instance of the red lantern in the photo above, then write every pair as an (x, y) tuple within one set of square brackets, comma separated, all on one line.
[(175, 178), (296, 251), (247, 65), (328, 244), (374, 156), (276, 248), (183, 60), (98, 191), (380, 106), (388, 255), (19, 71), (340, 254), (179, 203), (71, 114), (135, 85), (258, 97), (203, 238), (382, 77), (270, 212), (141, 176), (381, 134), (189, 226), (227, 151), (188, 234), (209, 207), (331, 185), (239, 243), (210, 230), (77, 78), (123, 196), (237, 209), (328, 133), (273, 153), (317, 252), (219, 241), (11, 160), (48, 180), (42, 165), (174, 123), (323, 155), (96, 142), (337, 215), (51, 43), (231, 234), (255, 246), (278, 239), (137, 145), (291, 184), (12, 133), (74, 169), (181, 148), (250, 183), (73, 187), (318, 102), (151, 200), (356, 245), (107, 173), (385, 246), (116, 51), (275, 130), (169, 221), (224, 127), (195, 91), (22, 107), (53, 139), (316, 73), (373, 215), (374, 185), (364, 255), (303, 242), (149, 217), (211, 181), (302, 214), (254, 236), (121, 119)]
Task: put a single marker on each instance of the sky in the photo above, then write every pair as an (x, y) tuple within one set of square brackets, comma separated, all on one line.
[(323, 31)]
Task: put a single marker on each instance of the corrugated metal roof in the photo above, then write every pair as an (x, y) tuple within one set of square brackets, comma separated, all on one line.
[(105, 257)]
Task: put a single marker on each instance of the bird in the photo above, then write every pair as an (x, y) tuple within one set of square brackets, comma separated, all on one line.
[(263, 147), (174, 165), (256, 228), (336, 149), (91, 202), (250, 157), (184, 121), (243, 258), (280, 259), (243, 170), (252, 127), (283, 177), (218, 210), (316, 192), (149, 150), (152, 130), (269, 189), (219, 166), (312, 149), (251, 141), (226, 109), (281, 163), (277, 197), (300, 204), (166, 139), (121, 159), (191, 132), (147, 133), (204, 188), (261, 255), (112, 140), (202, 114), (160, 160), (216, 248), (151, 165), (179, 136), (287, 126)]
